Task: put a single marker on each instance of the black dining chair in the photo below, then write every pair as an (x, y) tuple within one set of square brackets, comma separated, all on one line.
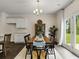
[(2, 48), (28, 45), (51, 48), (7, 43)]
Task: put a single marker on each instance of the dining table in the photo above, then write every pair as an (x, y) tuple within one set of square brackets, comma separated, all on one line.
[(39, 46)]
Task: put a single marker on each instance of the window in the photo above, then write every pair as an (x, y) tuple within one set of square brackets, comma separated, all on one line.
[(77, 32), (72, 32), (68, 31)]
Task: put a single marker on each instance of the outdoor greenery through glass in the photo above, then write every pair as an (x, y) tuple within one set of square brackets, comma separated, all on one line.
[(77, 29), (68, 31)]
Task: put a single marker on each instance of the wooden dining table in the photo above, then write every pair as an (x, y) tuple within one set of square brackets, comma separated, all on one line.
[(37, 48)]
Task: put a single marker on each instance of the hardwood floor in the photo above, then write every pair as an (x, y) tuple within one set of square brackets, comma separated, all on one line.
[(65, 54), (61, 53), (17, 51), (12, 51)]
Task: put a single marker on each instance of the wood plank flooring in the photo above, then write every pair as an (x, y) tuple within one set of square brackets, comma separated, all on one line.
[(65, 54), (61, 53), (12, 51)]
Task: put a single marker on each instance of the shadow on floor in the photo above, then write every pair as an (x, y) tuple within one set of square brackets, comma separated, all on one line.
[(13, 51)]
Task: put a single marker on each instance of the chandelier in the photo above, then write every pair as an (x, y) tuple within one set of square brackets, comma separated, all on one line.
[(37, 11)]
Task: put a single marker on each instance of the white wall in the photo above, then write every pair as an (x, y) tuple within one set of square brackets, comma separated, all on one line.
[(49, 20), (72, 9)]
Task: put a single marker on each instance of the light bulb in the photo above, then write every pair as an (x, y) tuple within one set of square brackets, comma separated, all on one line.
[(41, 10), (34, 11), (37, 10)]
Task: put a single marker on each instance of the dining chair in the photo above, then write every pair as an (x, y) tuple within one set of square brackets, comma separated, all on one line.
[(39, 46), (28, 46), (1, 47), (51, 48), (7, 41)]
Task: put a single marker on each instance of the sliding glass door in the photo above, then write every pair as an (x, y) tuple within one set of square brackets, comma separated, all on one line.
[(77, 32), (72, 32), (68, 32)]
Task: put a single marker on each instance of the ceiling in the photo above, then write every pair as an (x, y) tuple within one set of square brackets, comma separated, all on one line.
[(26, 6)]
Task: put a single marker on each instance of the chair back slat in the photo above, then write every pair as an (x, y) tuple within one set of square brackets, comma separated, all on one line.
[(7, 38), (5, 44), (26, 38)]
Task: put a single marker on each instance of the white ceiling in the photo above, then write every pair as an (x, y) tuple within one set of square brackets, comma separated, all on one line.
[(27, 6)]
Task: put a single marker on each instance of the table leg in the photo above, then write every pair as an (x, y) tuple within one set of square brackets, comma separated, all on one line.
[(39, 53)]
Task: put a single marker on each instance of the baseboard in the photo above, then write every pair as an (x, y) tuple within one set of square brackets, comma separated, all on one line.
[(72, 50)]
